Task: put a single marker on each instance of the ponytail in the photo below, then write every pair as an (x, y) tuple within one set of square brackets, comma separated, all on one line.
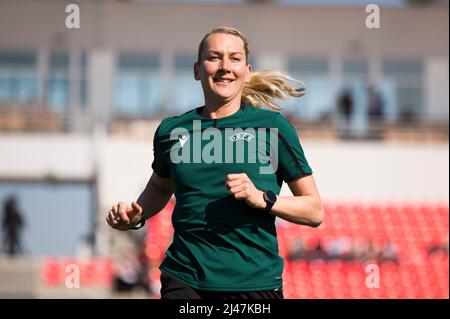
[(266, 86)]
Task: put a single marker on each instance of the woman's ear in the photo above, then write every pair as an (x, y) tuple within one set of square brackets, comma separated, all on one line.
[(196, 73), (248, 72)]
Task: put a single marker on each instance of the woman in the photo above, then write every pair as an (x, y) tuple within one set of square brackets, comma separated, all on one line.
[(225, 243)]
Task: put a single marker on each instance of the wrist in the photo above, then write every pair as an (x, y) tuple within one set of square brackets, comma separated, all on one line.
[(140, 223), (270, 198), (261, 202)]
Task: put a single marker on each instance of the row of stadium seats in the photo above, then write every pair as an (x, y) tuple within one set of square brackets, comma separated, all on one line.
[(417, 235), (417, 232), (336, 279)]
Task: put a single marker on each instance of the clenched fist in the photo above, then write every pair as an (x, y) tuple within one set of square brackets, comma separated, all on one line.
[(243, 188)]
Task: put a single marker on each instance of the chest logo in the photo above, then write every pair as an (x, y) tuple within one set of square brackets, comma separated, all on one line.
[(241, 136)]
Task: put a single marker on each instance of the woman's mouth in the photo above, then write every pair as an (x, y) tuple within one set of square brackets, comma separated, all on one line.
[(223, 80)]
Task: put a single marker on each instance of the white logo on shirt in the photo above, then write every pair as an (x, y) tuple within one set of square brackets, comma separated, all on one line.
[(241, 136), (183, 139)]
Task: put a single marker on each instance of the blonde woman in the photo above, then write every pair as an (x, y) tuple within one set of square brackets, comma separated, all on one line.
[(225, 162)]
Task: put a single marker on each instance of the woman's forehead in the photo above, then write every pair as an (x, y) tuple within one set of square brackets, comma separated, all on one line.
[(221, 41)]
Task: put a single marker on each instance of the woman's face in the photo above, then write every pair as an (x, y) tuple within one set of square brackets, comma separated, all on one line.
[(223, 68)]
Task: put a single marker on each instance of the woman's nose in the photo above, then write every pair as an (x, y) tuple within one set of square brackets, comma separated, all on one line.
[(225, 64)]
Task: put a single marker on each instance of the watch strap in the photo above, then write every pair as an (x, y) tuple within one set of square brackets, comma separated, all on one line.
[(141, 223)]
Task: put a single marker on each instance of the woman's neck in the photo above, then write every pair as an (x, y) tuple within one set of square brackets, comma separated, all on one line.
[(219, 110)]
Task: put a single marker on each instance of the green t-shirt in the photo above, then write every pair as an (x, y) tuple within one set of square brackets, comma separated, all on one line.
[(220, 243)]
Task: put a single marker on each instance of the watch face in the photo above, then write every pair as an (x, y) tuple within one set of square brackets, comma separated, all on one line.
[(271, 196)]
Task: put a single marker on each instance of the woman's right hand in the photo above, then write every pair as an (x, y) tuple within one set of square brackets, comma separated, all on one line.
[(124, 217)]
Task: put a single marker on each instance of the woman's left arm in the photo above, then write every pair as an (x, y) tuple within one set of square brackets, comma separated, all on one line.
[(304, 208)]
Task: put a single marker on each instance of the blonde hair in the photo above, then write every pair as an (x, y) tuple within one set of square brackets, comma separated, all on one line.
[(263, 86)]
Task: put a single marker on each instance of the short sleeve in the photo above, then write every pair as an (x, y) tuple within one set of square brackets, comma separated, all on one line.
[(292, 162), (161, 164)]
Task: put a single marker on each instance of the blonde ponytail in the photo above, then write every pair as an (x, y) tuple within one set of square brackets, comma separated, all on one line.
[(266, 86)]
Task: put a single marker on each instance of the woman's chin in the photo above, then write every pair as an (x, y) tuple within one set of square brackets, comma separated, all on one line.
[(225, 96)]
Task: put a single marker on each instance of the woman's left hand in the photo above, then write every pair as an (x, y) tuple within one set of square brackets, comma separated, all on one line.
[(243, 188)]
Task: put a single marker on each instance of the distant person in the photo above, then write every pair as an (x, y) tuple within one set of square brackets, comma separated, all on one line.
[(345, 109), (407, 114), (376, 105), (126, 276), (346, 106), (317, 252), (370, 253), (143, 272), (296, 251), (436, 248), (12, 225), (388, 253)]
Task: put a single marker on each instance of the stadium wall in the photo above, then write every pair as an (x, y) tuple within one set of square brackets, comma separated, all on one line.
[(122, 166)]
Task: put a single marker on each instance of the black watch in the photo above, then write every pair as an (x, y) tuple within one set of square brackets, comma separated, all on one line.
[(270, 198), (141, 222)]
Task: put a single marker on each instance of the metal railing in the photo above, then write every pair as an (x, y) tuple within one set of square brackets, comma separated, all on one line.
[(41, 120)]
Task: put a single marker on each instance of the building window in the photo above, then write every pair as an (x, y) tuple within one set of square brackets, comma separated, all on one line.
[(187, 92), (402, 85), (58, 81), (18, 77), (318, 100), (138, 85)]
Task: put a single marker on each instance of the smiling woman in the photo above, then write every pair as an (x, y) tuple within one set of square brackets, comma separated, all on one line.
[(225, 242), (223, 69)]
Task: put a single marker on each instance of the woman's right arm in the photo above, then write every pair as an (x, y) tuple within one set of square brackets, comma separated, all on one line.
[(155, 195)]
